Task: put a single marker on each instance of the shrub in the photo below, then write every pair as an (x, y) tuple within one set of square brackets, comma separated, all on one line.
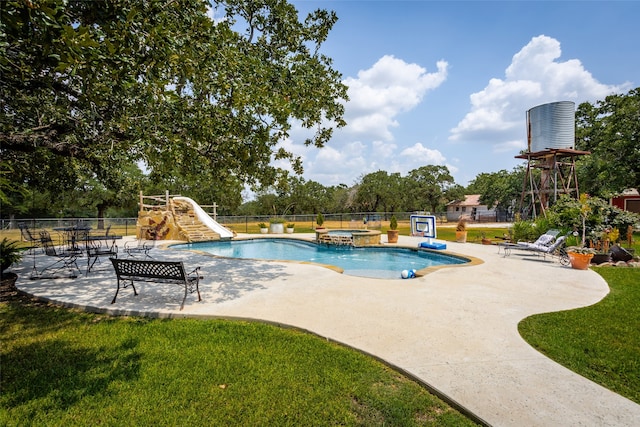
[(10, 253)]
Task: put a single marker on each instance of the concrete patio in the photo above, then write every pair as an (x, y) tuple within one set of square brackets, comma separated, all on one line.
[(454, 329)]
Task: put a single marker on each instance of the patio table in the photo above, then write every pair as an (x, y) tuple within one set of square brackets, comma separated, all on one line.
[(71, 234)]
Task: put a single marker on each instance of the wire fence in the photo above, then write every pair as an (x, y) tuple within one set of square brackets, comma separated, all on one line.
[(240, 223)]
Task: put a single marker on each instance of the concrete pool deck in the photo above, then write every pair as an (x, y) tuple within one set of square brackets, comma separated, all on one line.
[(454, 329)]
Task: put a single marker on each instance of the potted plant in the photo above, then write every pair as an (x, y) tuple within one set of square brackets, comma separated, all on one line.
[(580, 257), (319, 221), (276, 225), (290, 227), (392, 233), (461, 230), (602, 242), (263, 228), (10, 253), (485, 239)]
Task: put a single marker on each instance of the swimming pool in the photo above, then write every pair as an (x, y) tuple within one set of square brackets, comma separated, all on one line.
[(374, 262)]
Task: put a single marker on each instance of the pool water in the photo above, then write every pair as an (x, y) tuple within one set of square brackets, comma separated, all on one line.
[(374, 262)]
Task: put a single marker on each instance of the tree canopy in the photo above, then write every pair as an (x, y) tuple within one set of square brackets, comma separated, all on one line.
[(109, 83), (501, 189), (610, 129)]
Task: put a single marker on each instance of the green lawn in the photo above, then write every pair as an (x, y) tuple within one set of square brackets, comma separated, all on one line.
[(61, 367), (600, 342)]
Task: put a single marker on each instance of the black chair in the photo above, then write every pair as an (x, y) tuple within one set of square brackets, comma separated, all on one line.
[(139, 247), (106, 236), (64, 260), (97, 248), (28, 236)]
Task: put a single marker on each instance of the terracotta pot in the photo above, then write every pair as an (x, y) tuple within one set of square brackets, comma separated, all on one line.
[(486, 241), (580, 261), (461, 236), (392, 236)]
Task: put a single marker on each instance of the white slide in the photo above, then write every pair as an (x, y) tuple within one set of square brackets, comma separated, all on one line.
[(204, 217)]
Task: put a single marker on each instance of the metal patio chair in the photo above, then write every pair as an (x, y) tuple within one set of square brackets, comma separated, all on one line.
[(64, 260)]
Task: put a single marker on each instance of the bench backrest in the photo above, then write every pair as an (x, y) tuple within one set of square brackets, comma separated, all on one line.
[(173, 270)]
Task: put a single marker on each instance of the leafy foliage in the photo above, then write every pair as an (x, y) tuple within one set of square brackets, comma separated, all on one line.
[(103, 84), (610, 129), (501, 189), (566, 213)]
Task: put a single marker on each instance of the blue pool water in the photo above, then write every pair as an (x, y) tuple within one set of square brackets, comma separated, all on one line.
[(381, 263)]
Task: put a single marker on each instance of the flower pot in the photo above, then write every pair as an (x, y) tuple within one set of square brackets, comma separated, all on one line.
[(580, 261), (486, 241), (600, 258), (276, 228), (264, 230), (461, 236), (392, 236), (289, 230)]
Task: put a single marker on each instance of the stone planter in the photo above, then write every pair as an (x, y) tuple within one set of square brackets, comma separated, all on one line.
[(276, 228), (580, 261), (289, 230), (264, 230)]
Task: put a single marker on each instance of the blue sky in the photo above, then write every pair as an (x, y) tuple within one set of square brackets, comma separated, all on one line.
[(449, 83)]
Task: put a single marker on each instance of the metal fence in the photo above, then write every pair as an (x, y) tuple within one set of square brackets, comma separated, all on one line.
[(240, 223)]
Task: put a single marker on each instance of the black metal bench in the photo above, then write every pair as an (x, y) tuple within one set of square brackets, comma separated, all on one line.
[(130, 270)]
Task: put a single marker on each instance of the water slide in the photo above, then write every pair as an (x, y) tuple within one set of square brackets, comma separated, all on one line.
[(206, 219)]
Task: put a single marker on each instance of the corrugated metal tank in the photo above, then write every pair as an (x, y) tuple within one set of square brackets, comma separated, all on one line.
[(551, 126)]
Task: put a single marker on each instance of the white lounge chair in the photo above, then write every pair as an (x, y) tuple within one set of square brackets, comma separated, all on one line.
[(554, 249)]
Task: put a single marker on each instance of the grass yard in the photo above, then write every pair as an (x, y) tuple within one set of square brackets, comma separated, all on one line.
[(600, 342), (62, 367)]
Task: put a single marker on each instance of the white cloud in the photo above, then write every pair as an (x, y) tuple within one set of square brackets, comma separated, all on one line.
[(509, 146), (390, 87), (377, 96), (423, 155), (535, 76)]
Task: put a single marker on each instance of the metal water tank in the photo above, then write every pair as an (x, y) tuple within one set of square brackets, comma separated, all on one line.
[(551, 126)]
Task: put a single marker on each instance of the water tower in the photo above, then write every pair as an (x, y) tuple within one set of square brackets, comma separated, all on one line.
[(551, 157)]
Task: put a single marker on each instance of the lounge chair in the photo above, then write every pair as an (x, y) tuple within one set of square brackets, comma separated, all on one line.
[(554, 249), (547, 239)]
